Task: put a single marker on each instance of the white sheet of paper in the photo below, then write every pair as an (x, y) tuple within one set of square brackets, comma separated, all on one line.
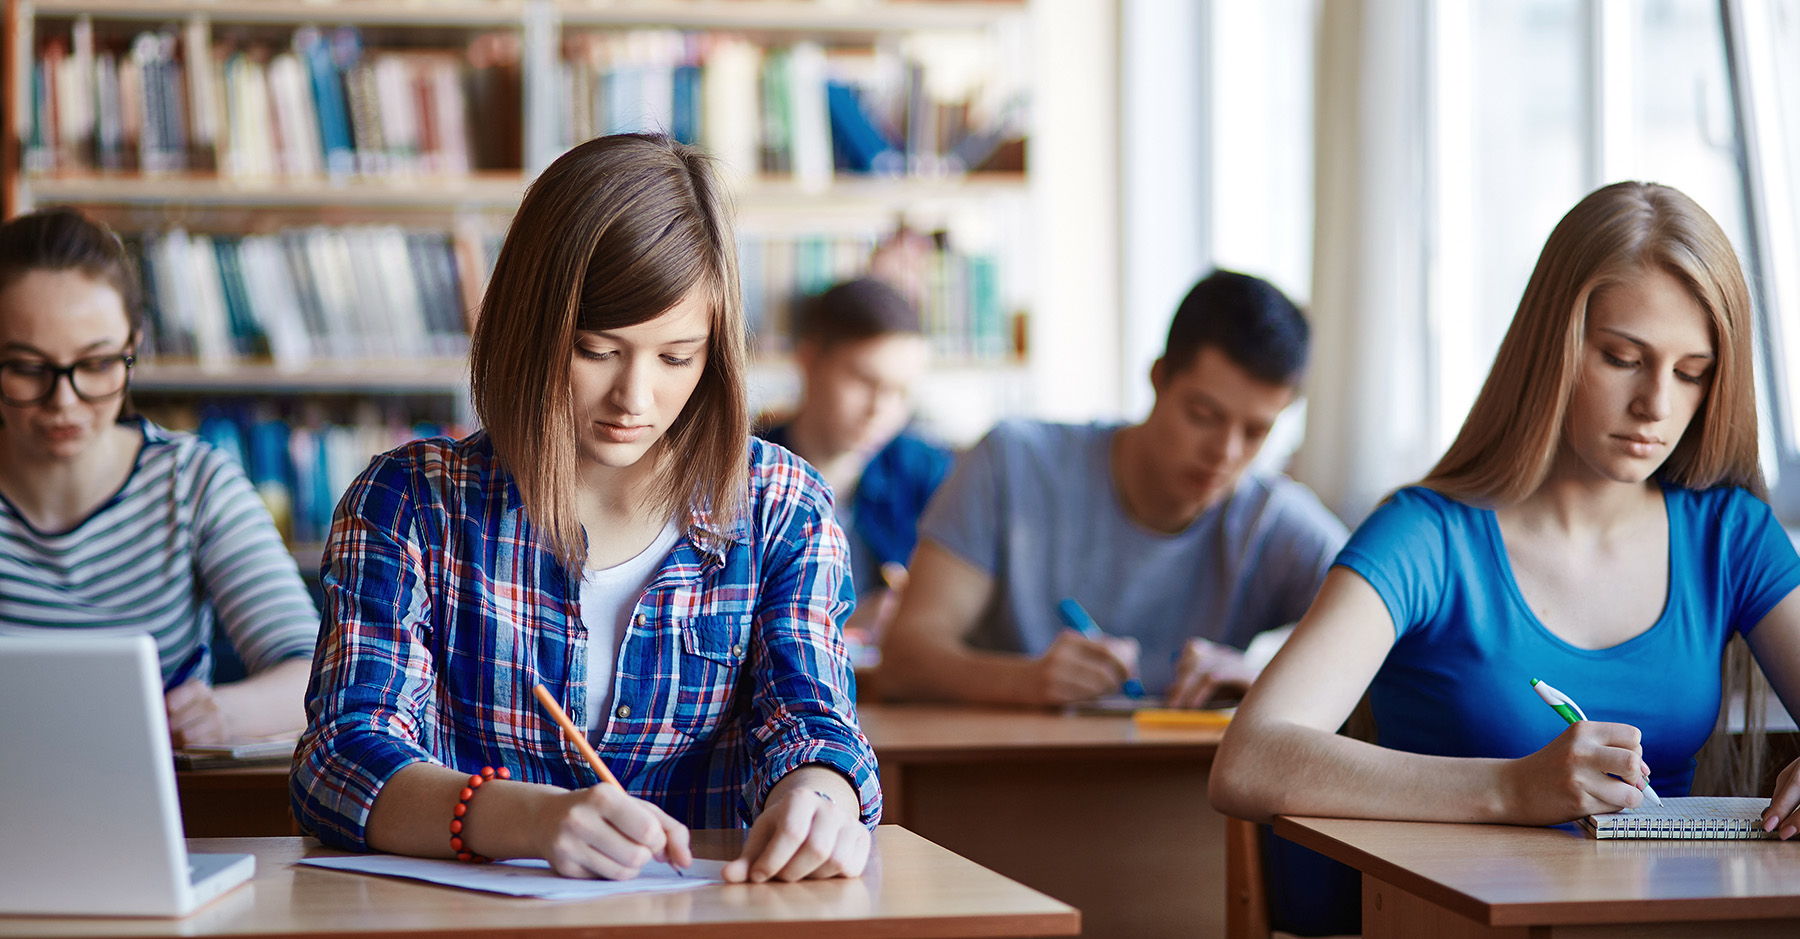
[(523, 878)]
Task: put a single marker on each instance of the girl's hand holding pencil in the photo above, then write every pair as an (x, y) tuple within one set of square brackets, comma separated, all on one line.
[(604, 831)]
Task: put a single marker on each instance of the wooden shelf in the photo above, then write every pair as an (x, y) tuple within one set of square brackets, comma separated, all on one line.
[(812, 17), (337, 376), (479, 13), (484, 190), (766, 194)]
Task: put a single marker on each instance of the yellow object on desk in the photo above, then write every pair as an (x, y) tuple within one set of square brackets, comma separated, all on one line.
[(1181, 717)]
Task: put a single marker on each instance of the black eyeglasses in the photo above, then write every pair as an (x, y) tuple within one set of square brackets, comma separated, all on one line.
[(95, 378)]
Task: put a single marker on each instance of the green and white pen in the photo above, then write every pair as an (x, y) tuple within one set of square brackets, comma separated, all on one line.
[(1571, 712)]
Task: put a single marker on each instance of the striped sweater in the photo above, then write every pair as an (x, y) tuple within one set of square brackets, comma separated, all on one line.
[(183, 543)]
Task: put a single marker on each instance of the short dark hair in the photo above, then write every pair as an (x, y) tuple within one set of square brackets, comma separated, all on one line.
[(1245, 317), (854, 310), (63, 239)]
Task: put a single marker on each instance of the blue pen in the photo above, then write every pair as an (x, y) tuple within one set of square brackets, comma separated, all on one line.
[(186, 669), (1078, 619)]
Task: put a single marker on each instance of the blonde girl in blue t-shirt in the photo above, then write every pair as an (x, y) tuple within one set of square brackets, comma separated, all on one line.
[(1598, 524)]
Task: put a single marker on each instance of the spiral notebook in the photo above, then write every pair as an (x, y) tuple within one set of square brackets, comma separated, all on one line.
[(1705, 817)]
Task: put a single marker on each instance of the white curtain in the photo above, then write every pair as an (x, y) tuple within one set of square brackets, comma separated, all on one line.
[(1370, 388)]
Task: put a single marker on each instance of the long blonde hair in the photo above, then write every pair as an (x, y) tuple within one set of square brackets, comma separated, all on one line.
[(614, 233), (1507, 444)]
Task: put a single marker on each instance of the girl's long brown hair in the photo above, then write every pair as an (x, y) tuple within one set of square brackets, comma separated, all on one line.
[(613, 234), (1507, 444)]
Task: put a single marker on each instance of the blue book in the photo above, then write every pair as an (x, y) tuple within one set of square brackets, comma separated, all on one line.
[(246, 337), (313, 487), (328, 99), (812, 265), (685, 124), (624, 100), (272, 472), (219, 430), (986, 325), (857, 144)]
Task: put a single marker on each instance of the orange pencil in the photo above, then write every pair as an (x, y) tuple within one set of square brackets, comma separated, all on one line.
[(579, 739)]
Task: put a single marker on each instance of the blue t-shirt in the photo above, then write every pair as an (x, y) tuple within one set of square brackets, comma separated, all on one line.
[(881, 517), (1034, 506), (1458, 680)]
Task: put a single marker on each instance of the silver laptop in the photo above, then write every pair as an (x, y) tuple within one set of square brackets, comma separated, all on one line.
[(89, 821)]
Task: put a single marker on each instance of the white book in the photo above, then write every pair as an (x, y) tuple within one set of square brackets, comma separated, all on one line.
[(730, 113), (658, 51), (75, 92), (345, 457), (274, 301), (328, 258), (176, 296), (296, 119), (374, 321), (203, 96), (451, 109), (212, 324), (809, 119), (397, 108), (405, 313), (1684, 817), (249, 152)]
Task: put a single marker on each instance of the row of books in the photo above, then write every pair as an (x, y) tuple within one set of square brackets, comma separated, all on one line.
[(301, 465), (804, 109), (171, 100), (352, 292), (382, 292), (958, 293)]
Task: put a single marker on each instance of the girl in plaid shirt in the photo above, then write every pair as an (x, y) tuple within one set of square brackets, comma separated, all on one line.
[(614, 535)]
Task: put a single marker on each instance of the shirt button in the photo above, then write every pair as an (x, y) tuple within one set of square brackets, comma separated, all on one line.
[(638, 619), (737, 649), (624, 711)]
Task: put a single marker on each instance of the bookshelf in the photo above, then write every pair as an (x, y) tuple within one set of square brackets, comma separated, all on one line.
[(999, 217)]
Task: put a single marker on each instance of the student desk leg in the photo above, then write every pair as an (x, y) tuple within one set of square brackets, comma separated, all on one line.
[(1128, 839)]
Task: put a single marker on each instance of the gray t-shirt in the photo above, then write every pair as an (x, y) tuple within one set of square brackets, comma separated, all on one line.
[(1034, 506)]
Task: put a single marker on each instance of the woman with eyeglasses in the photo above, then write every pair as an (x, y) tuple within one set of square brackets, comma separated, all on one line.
[(110, 523)]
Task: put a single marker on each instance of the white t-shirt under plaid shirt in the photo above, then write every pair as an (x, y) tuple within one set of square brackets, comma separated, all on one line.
[(184, 542)]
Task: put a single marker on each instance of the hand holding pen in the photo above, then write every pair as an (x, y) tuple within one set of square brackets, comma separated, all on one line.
[(1089, 663), (194, 712), (1615, 748)]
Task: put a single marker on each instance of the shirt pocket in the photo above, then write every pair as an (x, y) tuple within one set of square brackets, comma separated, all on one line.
[(713, 651)]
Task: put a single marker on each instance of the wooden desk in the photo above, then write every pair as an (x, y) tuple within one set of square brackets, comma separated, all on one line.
[(1105, 817), (912, 888), (241, 802), (1108, 818), (1456, 881)]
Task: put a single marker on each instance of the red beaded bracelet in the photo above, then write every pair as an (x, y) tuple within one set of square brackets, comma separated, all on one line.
[(462, 808)]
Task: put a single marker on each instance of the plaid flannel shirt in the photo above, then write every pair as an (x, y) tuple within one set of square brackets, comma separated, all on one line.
[(442, 610)]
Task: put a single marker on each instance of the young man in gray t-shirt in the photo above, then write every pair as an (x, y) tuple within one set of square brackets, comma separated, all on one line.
[(1155, 528)]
